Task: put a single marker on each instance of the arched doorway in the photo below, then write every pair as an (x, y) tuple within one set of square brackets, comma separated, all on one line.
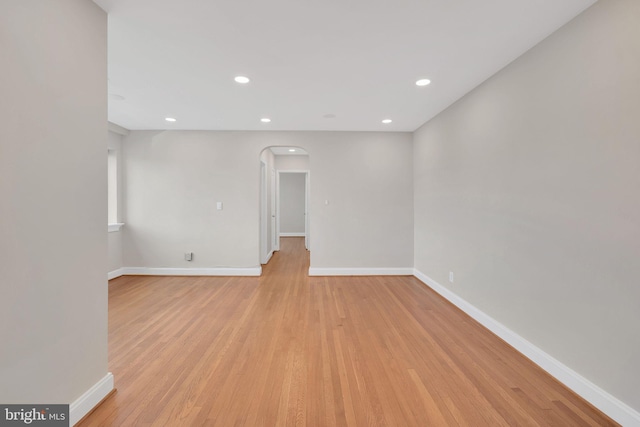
[(284, 205)]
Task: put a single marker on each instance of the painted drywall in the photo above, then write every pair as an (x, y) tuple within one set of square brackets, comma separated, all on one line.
[(527, 189), (112, 186), (175, 178), (292, 202), (268, 158), (114, 251), (53, 187), (114, 239), (300, 163)]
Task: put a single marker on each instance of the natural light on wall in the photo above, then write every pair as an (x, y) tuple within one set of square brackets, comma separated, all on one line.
[(112, 187)]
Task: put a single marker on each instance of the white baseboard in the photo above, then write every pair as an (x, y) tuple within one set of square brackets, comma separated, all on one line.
[(85, 403), (115, 273), (269, 255), (292, 234), (614, 408), (360, 271), (216, 271)]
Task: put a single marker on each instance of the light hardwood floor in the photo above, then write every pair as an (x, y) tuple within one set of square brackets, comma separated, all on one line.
[(285, 349)]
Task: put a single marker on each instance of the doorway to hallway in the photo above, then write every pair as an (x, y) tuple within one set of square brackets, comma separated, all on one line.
[(284, 198), (291, 260), (293, 204)]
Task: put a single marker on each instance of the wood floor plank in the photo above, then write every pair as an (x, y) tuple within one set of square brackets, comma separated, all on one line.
[(286, 349)]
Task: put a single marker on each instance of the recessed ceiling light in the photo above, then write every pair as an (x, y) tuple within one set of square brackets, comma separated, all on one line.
[(265, 120), (292, 150), (387, 121), (423, 82), (241, 79), (170, 119)]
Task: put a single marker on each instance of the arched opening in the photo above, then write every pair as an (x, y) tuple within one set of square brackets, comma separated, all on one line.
[(284, 197)]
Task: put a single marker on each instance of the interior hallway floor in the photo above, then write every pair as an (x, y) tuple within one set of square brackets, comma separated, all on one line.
[(286, 349)]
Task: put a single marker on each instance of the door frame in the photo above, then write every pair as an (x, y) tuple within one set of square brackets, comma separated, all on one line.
[(273, 209), (264, 214), (307, 200)]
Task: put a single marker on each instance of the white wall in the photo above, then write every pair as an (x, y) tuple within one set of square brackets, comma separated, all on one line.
[(528, 190), (174, 179), (368, 185), (114, 251), (287, 162), (53, 214), (268, 158), (114, 239), (292, 203)]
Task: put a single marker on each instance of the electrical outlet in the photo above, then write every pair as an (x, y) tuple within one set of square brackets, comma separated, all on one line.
[(451, 276), (188, 256)]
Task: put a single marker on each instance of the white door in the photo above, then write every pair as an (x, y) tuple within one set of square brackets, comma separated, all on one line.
[(275, 244), (264, 214), (306, 210)]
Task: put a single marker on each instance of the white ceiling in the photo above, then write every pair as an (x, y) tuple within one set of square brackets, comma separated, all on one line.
[(357, 60), (285, 151)]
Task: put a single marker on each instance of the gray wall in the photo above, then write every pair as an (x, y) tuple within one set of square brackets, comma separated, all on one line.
[(53, 168), (286, 162), (114, 239), (292, 202), (268, 158), (174, 179), (292, 218), (528, 190)]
